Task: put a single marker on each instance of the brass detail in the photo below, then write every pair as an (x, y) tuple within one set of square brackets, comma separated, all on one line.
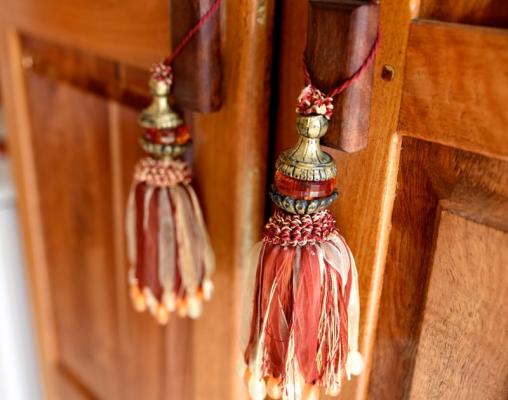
[(306, 161), (163, 150), (159, 115), (388, 73), (300, 206)]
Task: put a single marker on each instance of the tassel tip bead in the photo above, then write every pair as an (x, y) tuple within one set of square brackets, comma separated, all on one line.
[(355, 364)]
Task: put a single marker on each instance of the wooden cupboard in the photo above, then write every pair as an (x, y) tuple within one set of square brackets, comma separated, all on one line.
[(424, 206)]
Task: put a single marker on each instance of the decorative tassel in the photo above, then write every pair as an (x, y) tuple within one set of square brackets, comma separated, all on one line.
[(303, 328), (168, 247)]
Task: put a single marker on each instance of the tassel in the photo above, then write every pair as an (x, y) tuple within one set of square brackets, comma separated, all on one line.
[(304, 318), (169, 252)]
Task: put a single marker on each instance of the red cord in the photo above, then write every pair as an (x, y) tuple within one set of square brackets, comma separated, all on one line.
[(348, 82), (178, 49)]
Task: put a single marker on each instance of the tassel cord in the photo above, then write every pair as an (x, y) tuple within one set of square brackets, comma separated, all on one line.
[(187, 38), (354, 77)]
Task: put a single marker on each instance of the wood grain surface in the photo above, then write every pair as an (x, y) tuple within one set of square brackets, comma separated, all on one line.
[(455, 87), (340, 36), (199, 87), (461, 353), (73, 98), (470, 12), (131, 32), (433, 180)]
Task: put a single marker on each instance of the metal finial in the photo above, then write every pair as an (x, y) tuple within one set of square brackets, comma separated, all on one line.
[(306, 161)]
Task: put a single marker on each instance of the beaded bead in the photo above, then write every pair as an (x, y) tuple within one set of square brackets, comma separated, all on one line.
[(306, 190)]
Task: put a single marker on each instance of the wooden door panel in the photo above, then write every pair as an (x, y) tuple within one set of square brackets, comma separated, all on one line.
[(129, 31), (76, 79), (474, 12), (71, 148), (85, 144), (455, 87), (461, 352), (444, 284)]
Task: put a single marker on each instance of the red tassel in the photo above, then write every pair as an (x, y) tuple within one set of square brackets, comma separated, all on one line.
[(168, 245), (305, 301)]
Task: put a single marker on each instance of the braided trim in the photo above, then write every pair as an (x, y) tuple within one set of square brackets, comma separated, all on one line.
[(162, 73), (162, 173), (285, 229), (313, 101)]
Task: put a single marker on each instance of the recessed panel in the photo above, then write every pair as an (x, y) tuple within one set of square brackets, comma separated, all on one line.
[(462, 352)]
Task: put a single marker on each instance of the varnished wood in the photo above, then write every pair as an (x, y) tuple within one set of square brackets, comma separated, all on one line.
[(465, 323), (77, 228), (130, 357), (131, 32), (106, 78), (448, 202), (433, 180), (198, 83), (230, 154), (455, 87), (472, 12), (339, 38)]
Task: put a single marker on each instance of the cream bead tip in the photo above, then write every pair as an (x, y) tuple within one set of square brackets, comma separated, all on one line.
[(310, 392), (274, 389), (169, 300), (355, 364), (194, 307), (257, 388), (333, 391), (208, 289)]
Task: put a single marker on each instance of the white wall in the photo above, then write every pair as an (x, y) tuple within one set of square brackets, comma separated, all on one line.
[(19, 377)]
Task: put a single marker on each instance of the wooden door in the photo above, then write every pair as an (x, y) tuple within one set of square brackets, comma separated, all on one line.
[(75, 76), (425, 206)]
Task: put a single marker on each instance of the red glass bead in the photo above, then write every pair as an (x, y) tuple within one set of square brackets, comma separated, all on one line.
[(179, 135), (306, 190)]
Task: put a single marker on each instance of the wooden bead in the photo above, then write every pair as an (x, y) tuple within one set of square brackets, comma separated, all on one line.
[(151, 302), (169, 300), (181, 307), (162, 315), (194, 306), (274, 389), (257, 388), (138, 300), (334, 391), (247, 374)]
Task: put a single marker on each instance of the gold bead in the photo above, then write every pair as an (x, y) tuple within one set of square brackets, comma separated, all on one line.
[(306, 161)]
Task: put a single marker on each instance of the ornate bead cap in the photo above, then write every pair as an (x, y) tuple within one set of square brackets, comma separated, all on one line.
[(306, 161), (162, 173), (159, 115)]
